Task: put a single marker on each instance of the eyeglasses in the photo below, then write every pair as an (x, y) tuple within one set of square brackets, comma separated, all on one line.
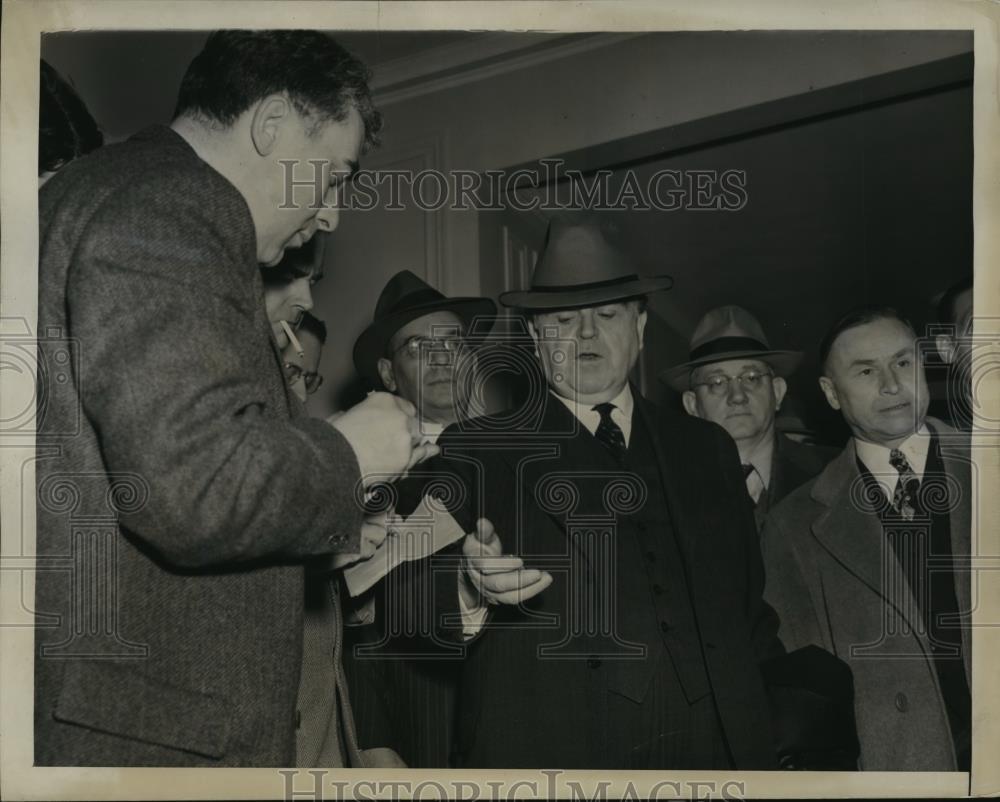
[(416, 344), (312, 380), (719, 384)]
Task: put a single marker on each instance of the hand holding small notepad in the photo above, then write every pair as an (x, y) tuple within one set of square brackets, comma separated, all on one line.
[(426, 530)]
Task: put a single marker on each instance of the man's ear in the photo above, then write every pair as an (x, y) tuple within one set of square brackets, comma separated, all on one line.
[(830, 391), (640, 325), (386, 375), (534, 335), (690, 402), (780, 388), (265, 123), (946, 347)]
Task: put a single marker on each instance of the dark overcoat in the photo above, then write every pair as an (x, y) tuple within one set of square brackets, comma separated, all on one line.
[(532, 697)]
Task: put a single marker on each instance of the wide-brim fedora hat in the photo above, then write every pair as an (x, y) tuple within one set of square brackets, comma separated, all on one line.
[(724, 333), (405, 298), (579, 267)]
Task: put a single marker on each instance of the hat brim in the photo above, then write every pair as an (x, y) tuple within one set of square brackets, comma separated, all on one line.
[(370, 346), (571, 297), (783, 363)]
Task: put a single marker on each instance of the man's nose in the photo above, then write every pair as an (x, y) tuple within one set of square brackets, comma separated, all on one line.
[(736, 393), (303, 294), (328, 217), (439, 357), (889, 382), (586, 329)]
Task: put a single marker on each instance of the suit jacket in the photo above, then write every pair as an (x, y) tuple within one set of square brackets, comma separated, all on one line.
[(522, 710), (825, 558), (178, 490), (792, 465)]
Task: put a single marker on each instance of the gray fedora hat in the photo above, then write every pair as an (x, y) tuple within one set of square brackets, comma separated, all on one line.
[(579, 267), (729, 332)]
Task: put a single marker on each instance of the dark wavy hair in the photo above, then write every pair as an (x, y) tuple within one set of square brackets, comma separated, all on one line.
[(236, 68), (66, 130)]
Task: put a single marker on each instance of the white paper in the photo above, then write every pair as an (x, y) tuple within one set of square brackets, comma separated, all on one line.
[(426, 530)]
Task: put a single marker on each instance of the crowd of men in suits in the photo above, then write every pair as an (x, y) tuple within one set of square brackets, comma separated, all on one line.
[(637, 588)]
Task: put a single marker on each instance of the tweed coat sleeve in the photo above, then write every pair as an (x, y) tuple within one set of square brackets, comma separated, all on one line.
[(178, 377)]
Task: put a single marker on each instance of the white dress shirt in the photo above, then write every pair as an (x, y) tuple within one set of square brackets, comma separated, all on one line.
[(876, 459), (591, 418)]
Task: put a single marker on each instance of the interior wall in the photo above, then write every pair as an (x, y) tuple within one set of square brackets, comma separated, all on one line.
[(592, 96), (604, 94)]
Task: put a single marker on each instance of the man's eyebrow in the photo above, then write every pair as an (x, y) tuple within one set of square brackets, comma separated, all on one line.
[(901, 352)]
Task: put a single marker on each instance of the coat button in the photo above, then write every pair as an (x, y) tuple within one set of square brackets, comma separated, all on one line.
[(902, 703), (651, 556), (658, 590), (664, 627), (593, 662)]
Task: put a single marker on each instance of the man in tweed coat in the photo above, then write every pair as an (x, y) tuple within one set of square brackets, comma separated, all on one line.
[(869, 560), (179, 489)]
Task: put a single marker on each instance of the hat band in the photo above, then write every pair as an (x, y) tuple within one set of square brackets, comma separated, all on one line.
[(591, 286), (724, 345), (418, 298)]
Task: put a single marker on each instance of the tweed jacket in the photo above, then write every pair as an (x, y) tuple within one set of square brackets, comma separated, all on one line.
[(178, 491), (520, 709), (825, 562)]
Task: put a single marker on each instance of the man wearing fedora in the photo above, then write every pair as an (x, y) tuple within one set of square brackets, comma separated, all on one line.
[(735, 379), (627, 631), (403, 685)]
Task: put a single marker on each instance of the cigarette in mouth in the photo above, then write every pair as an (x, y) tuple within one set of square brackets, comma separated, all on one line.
[(292, 339)]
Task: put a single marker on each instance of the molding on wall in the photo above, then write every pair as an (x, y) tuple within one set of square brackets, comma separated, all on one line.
[(429, 152), (477, 59)]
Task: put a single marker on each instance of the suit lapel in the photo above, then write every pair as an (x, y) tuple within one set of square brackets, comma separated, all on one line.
[(682, 497), (567, 447), (851, 531)]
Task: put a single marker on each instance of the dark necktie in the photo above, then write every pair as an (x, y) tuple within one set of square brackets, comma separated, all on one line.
[(747, 470), (904, 498), (608, 432)]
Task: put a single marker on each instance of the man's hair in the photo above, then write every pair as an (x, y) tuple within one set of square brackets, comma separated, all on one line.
[(857, 317), (296, 263), (66, 130), (237, 68), (946, 306), (314, 326)]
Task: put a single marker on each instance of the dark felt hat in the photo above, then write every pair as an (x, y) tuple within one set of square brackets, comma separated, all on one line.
[(579, 267), (729, 332), (405, 298)]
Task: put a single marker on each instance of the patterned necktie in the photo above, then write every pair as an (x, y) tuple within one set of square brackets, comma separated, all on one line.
[(904, 497), (608, 432)]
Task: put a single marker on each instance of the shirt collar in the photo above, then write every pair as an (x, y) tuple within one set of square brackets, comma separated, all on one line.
[(590, 418), (430, 431), (761, 458), (876, 457)]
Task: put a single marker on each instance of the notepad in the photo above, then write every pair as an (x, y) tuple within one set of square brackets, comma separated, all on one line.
[(426, 530)]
